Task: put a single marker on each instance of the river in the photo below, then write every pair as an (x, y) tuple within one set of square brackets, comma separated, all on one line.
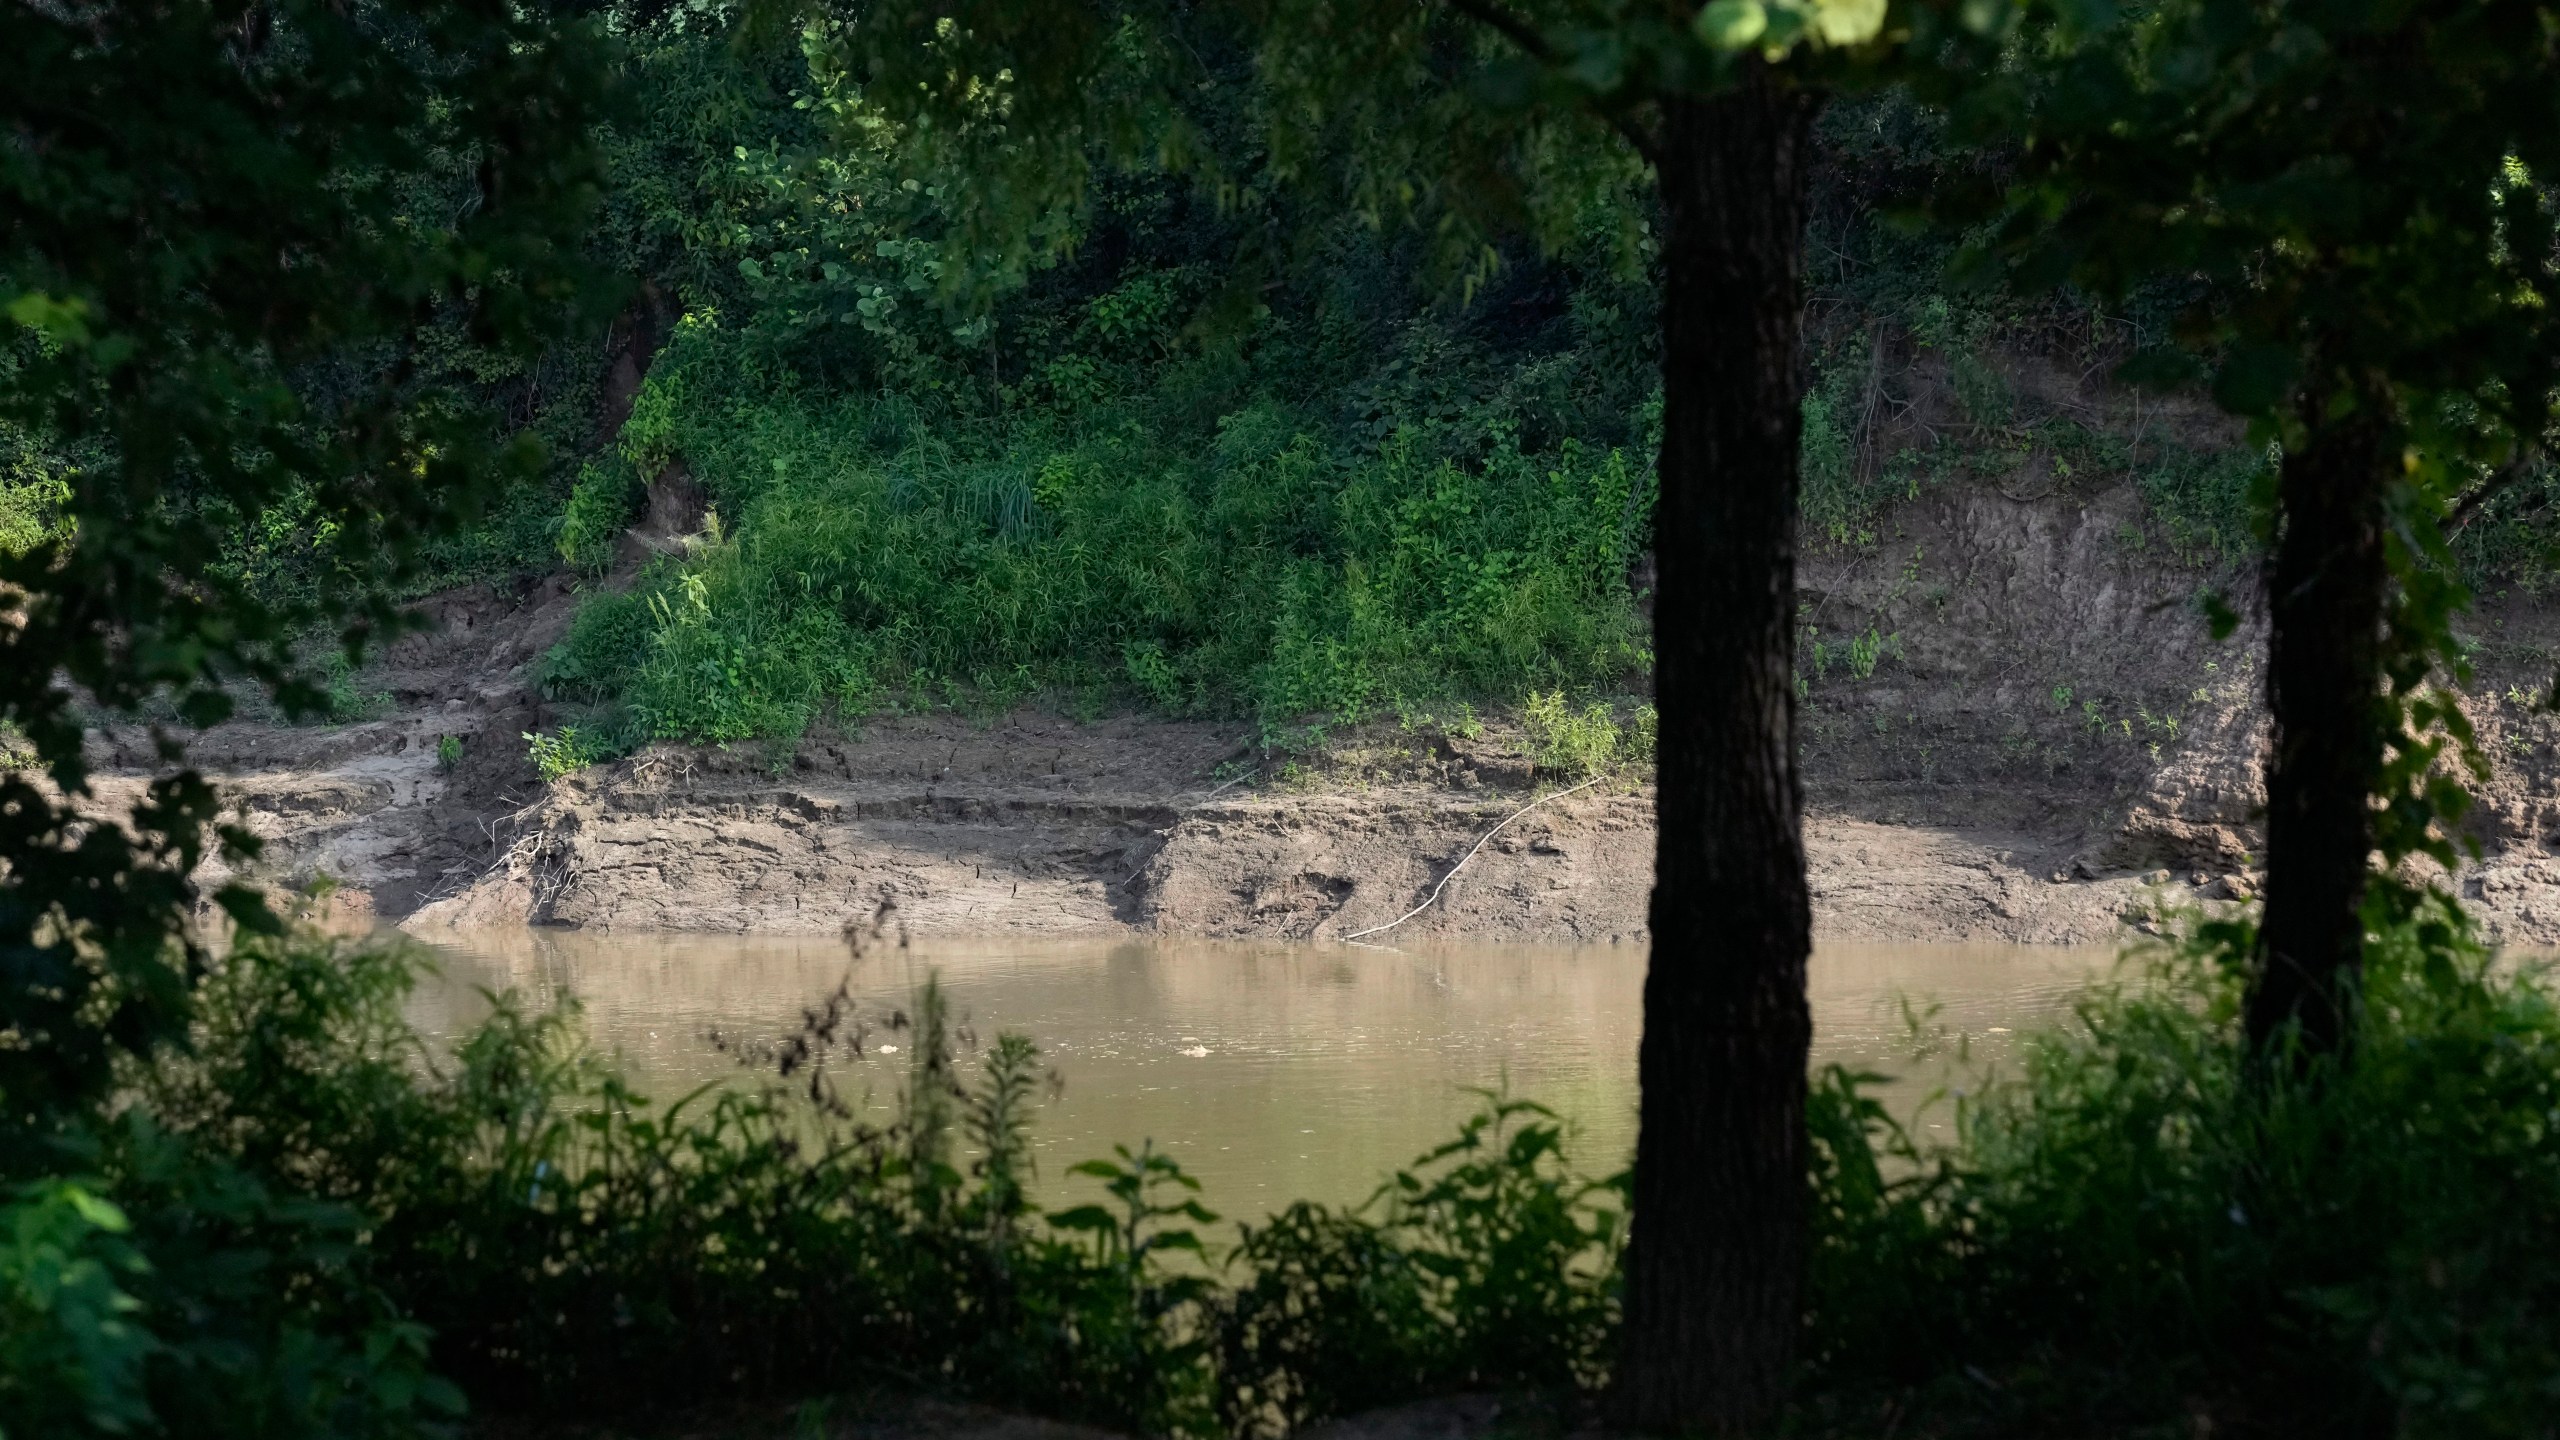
[(1270, 1072)]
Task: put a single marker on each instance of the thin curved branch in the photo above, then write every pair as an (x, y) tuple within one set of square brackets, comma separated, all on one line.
[(1534, 45), (2477, 498)]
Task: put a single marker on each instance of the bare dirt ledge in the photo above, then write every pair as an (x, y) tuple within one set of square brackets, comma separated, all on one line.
[(1037, 825)]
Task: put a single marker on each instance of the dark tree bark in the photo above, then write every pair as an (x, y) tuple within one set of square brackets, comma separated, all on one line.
[(1715, 1265), (2326, 590)]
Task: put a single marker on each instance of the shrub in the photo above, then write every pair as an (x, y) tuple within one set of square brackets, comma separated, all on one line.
[(564, 753), (574, 1247), (1489, 1264), (1587, 742), (2134, 1229), (602, 503), (2139, 1225)]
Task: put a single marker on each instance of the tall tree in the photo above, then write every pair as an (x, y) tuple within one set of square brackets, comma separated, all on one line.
[(2355, 194), (1464, 117), (228, 231)]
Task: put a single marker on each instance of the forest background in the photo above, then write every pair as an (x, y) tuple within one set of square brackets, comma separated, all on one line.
[(1205, 455)]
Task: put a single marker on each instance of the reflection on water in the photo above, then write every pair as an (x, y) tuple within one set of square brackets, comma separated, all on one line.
[(1272, 1073)]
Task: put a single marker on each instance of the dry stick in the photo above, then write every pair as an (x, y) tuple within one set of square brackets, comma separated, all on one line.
[(1470, 855), (1194, 805)]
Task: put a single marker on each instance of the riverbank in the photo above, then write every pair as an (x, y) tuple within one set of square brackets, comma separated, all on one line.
[(2037, 742), (1038, 825)]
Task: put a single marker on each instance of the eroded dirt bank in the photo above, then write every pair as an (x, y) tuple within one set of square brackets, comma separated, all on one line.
[(2048, 743)]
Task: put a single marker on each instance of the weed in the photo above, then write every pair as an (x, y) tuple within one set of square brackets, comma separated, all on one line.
[(1585, 742), (1152, 673), (604, 501), (565, 753), (344, 697), (1868, 649), (1488, 1264), (449, 753)]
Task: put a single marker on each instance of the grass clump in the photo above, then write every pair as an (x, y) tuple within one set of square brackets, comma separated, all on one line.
[(564, 752), (1581, 743)]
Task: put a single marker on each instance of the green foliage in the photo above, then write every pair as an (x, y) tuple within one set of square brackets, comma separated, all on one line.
[(203, 1277), (232, 254), (1489, 1264), (2142, 1222), (1259, 566), (564, 752), (1120, 450), (1586, 742), (605, 500), (2129, 1228), (71, 1352), (575, 1248), (2204, 504), (448, 753), (2210, 509)]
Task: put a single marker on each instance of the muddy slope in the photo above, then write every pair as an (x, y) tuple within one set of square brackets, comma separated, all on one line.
[(2046, 743)]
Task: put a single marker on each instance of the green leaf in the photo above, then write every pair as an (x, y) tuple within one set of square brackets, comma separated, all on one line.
[(1731, 24), (64, 321), (97, 1211), (2255, 378), (1848, 22), (1085, 1217)]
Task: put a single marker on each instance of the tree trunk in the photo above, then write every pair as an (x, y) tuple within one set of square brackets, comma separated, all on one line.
[(2325, 597), (1715, 1264)]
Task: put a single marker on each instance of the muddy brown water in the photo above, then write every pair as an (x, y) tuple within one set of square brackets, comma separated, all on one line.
[(1270, 1072)]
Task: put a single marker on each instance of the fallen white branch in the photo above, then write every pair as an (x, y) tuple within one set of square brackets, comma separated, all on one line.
[(1470, 855)]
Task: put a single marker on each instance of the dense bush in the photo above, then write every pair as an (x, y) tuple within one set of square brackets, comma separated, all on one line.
[(1490, 1264), (2140, 1228), (1245, 562)]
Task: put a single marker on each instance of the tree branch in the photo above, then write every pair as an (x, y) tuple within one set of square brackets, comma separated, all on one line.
[(1534, 45), (2477, 499)]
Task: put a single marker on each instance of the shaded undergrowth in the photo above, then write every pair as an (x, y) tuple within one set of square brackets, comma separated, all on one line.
[(312, 1223), (2140, 1232)]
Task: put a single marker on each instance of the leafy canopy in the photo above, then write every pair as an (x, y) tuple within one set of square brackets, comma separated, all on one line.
[(228, 231)]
